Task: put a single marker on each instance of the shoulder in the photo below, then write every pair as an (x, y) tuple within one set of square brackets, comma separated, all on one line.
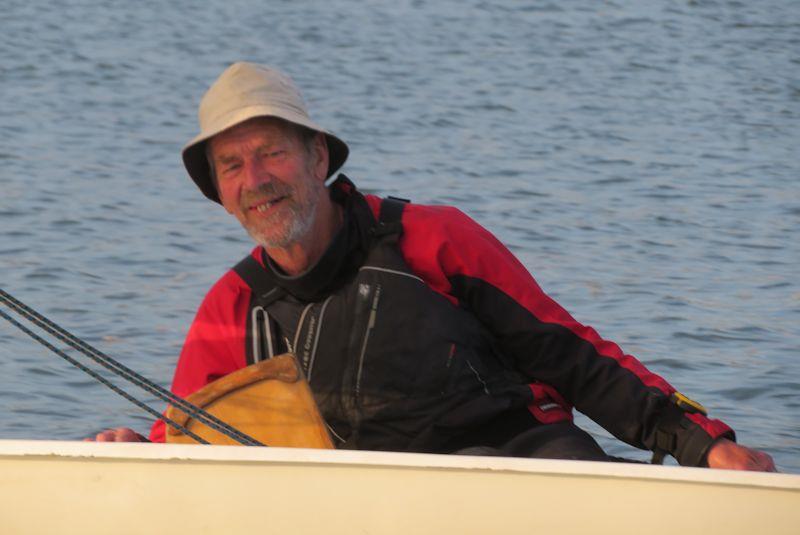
[(439, 242), (433, 221), (226, 291)]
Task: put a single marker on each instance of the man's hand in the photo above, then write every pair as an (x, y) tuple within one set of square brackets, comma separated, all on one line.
[(120, 434), (727, 454)]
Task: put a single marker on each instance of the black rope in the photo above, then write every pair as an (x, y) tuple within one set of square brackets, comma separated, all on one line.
[(119, 369), (124, 372), (100, 378)]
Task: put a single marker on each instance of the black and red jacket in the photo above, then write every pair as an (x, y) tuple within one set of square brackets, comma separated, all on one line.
[(418, 336)]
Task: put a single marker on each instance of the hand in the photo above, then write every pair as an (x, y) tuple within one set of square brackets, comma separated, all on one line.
[(725, 453), (120, 434)]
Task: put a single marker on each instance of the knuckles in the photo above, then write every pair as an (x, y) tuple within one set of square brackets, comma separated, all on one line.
[(120, 434)]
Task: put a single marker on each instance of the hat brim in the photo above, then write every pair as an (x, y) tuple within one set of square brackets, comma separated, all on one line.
[(196, 161)]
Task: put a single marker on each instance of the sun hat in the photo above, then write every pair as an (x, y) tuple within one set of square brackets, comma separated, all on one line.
[(242, 92)]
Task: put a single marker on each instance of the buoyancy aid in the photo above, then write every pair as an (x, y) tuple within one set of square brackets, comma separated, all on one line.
[(393, 365)]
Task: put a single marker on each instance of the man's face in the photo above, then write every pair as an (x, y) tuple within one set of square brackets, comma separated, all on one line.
[(269, 180)]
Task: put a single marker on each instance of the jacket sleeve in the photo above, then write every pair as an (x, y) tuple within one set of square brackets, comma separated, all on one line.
[(214, 345), (465, 262)]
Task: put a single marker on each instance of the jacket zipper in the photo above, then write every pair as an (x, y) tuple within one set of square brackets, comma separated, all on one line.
[(351, 374), (373, 314)]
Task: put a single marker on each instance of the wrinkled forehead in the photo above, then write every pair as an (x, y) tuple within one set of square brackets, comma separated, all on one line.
[(264, 129)]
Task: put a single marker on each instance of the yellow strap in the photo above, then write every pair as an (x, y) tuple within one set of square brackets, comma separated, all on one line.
[(689, 405)]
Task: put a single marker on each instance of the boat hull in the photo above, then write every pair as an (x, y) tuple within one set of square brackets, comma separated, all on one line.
[(69, 487)]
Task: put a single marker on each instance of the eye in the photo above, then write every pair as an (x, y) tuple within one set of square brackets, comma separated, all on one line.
[(229, 168), (272, 153)]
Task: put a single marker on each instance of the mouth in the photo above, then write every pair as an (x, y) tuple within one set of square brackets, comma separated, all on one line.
[(265, 205)]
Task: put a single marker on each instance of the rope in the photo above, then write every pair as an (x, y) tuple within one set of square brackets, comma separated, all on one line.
[(100, 378), (119, 369)]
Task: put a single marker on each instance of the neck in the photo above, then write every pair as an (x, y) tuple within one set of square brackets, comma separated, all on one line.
[(299, 256)]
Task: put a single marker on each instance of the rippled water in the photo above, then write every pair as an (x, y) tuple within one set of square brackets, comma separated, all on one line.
[(639, 157)]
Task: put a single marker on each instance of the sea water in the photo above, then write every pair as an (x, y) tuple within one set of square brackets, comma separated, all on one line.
[(640, 158)]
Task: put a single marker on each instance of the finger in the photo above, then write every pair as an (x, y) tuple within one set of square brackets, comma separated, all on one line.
[(105, 436), (758, 461), (765, 463), (123, 434)]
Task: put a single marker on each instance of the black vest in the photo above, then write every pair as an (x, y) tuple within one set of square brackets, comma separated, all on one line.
[(393, 364)]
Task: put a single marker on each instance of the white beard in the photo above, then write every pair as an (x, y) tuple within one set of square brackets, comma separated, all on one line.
[(302, 221)]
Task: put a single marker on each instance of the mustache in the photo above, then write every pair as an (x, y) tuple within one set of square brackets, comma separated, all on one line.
[(269, 190)]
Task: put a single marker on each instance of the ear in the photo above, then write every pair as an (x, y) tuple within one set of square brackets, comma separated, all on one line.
[(321, 157)]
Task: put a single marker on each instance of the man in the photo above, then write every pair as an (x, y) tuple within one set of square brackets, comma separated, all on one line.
[(416, 328)]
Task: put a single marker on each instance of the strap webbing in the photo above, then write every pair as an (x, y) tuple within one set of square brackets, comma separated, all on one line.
[(252, 273), (261, 337), (389, 221)]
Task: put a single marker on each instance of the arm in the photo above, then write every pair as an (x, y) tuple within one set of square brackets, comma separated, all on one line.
[(214, 345), (546, 343)]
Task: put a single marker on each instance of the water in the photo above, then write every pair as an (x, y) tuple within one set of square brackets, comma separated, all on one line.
[(639, 157)]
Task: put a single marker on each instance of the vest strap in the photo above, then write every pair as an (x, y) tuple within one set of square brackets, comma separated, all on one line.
[(262, 338), (252, 273), (389, 224)]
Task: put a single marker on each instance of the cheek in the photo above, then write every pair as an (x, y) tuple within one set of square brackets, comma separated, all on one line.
[(228, 200)]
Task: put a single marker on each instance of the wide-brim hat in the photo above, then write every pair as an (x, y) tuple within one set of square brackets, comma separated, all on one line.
[(242, 92)]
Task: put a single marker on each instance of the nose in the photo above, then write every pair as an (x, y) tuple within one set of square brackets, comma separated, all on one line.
[(255, 174)]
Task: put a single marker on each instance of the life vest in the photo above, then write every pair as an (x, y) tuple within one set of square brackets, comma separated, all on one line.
[(393, 365)]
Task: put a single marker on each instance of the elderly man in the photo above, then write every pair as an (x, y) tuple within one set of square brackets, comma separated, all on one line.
[(416, 328)]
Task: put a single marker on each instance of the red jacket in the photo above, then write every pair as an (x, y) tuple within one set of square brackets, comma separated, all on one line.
[(568, 363)]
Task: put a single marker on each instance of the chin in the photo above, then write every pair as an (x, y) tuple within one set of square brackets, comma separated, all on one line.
[(294, 229), (272, 240), (269, 242)]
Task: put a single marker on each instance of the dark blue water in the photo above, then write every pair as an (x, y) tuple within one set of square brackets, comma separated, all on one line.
[(639, 157)]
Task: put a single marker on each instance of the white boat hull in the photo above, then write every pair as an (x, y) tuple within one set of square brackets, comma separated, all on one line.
[(78, 487)]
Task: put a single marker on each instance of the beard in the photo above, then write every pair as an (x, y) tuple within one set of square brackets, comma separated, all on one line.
[(291, 222)]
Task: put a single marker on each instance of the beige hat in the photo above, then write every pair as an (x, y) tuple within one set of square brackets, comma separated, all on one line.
[(244, 91)]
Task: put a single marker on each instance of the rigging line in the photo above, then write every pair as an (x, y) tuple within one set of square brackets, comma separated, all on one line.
[(125, 372), (100, 378)]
